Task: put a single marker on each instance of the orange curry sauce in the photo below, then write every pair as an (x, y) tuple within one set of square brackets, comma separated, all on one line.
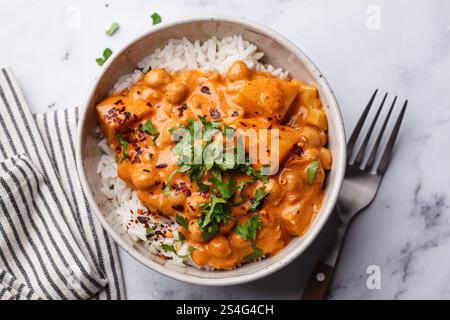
[(239, 99)]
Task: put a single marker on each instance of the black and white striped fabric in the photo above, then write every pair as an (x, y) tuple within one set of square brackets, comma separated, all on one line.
[(51, 247)]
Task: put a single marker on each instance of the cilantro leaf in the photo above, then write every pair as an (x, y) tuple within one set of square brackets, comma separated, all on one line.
[(203, 187), (257, 253), (169, 178), (156, 18), (112, 29), (257, 201), (170, 248), (182, 221), (149, 128), (215, 211), (210, 232), (123, 143), (248, 229), (149, 231), (227, 190), (312, 171), (100, 61), (106, 54)]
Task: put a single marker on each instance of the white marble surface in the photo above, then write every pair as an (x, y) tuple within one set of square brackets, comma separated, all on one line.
[(406, 231)]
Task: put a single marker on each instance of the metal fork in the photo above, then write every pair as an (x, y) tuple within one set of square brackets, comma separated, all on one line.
[(361, 183)]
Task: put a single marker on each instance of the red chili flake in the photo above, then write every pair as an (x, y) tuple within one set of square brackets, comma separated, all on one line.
[(142, 219), (178, 207), (146, 170), (161, 166), (242, 123), (118, 102), (184, 106), (187, 192), (205, 90), (136, 159), (214, 113), (235, 114), (297, 150), (122, 109), (149, 104)]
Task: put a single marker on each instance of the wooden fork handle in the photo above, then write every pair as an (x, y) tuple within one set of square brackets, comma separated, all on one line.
[(318, 283)]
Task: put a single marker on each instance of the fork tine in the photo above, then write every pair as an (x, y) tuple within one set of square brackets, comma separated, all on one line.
[(390, 144), (373, 153), (359, 125), (362, 150)]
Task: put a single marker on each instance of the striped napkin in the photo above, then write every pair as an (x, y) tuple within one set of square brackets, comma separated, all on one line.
[(51, 246)]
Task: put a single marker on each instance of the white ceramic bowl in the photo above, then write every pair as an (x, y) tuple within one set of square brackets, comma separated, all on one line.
[(279, 52)]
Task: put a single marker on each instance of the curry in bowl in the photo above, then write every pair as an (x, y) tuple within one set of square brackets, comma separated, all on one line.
[(228, 213)]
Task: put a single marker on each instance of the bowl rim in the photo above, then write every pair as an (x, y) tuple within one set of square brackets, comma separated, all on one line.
[(321, 219)]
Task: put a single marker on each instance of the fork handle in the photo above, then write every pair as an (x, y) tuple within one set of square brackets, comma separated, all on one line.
[(319, 282), (320, 279)]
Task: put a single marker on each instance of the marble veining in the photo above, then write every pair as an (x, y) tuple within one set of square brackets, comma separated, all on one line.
[(405, 233)]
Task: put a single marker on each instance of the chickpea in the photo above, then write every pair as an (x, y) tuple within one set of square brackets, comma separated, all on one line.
[(325, 158), (219, 246), (310, 154), (175, 92), (238, 71), (193, 205), (291, 179), (195, 232), (238, 242), (142, 178), (227, 226), (200, 256), (311, 137), (157, 78)]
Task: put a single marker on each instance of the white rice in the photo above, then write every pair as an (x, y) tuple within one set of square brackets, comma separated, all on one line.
[(211, 55), (177, 55)]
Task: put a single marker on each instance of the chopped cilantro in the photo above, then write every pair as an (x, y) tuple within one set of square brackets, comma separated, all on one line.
[(210, 232), (169, 178), (149, 128), (171, 248), (257, 253), (156, 18), (216, 211), (106, 54), (149, 231), (248, 229), (260, 194), (203, 187), (123, 143), (312, 171)]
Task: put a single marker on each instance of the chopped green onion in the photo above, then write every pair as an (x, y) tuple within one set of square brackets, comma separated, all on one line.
[(182, 221), (112, 29), (106, 54)]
